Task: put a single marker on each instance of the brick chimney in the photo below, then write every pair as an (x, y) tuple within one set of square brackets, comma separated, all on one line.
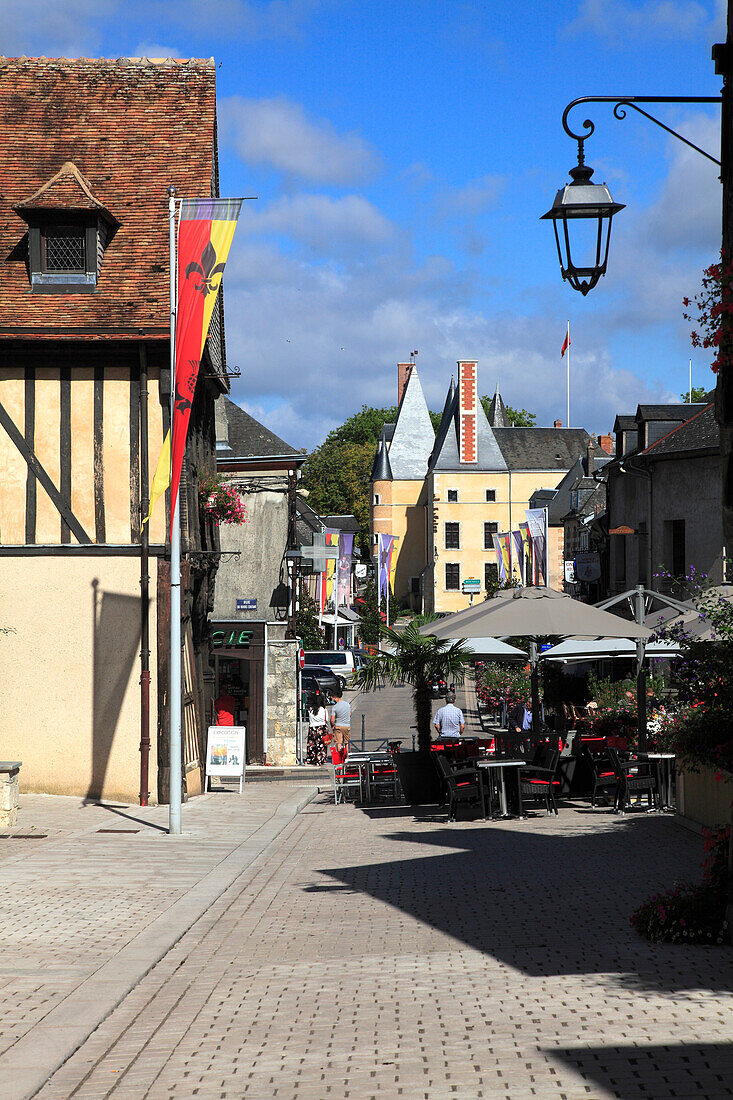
[(590, 453), (467, 411), (558, 424), (605, 442), (404, 370)]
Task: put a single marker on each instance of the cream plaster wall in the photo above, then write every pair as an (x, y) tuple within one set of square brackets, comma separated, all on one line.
[(401, 512), (471, 511), (12, 465), (69, 694)]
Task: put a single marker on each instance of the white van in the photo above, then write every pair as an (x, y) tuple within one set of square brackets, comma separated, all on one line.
[(339, 661)]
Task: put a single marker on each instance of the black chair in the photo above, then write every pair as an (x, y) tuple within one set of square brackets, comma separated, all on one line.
[(538, 781), (603, 774), (631, 781), (462, 785)]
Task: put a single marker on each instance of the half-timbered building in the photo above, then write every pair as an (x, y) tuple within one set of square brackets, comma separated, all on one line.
[(90, 148)]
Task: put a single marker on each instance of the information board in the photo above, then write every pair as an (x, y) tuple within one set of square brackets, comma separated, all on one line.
[(225, 753)]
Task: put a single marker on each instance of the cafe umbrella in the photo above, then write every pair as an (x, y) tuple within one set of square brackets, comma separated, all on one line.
[(534, 613)]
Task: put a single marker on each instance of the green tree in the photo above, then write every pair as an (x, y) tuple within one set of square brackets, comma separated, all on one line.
[(306, 621), (699, 393), (370, 618), (518, 418), (364, 426), (336, 476), (415, 659)]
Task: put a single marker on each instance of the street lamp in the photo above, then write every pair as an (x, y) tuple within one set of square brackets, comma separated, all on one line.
[(587, 206), (582, 200)]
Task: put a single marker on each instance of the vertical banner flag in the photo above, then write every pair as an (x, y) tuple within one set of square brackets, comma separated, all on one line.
[(332, 539), (537, 524), (519, 552), (499, 557), (384, 565), (205, 231), (527, 543), (343, 586)]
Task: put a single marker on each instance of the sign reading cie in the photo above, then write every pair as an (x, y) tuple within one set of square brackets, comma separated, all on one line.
[(232, 639)]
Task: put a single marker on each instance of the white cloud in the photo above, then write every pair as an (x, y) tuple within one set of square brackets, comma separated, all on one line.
[(315, 343), (276, 133), (625, 23), (328, 225), (153, 50), (473, 198), (53, 28), (263, 20)]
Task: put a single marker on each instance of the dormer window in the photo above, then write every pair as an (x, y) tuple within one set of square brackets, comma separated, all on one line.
[(68, 230)]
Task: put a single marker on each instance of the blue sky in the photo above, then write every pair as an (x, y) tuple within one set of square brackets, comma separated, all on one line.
[(402, 154)]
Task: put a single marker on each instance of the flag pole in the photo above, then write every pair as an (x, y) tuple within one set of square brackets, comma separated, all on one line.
[(568, 339), (174, 800)]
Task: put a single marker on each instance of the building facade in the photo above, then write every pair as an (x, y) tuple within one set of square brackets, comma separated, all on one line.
[(84, 406), (664, 498), (255, 650), (477, 480)]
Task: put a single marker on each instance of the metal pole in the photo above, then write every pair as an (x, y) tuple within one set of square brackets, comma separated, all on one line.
[(568, 419), (640, 670), (144, 586), (535, 676), (174, 800), (265, 701), (362, 732)]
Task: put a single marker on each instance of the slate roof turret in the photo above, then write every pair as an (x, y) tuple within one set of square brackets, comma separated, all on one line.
[(413, 436), (445, 455), (381, 469)]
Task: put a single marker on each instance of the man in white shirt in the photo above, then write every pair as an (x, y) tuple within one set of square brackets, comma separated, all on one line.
[(449, 721)]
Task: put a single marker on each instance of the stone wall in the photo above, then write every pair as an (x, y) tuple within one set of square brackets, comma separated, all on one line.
[(282, 683)]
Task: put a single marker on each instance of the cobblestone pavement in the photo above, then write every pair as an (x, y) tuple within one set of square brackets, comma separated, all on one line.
[(382, 952), (94, 895)]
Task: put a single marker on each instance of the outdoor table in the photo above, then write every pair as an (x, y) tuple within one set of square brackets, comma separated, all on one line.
[(662, 762), (500, 764)]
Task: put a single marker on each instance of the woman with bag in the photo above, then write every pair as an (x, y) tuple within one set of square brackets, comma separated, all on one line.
[(319, 735)]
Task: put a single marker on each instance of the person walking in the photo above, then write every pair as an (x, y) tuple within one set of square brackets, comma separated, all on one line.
[(341, 723), (318, 732), (449, 721)]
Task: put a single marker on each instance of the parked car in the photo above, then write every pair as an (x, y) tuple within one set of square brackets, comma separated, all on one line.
[(339, 661), (323, 677)]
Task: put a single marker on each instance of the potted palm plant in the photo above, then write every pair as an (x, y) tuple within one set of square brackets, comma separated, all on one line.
[(415, 659)]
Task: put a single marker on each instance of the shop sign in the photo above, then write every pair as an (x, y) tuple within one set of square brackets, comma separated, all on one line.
[(246, 605), (225, 752), (232, 639), (570, 572), (588, 566)]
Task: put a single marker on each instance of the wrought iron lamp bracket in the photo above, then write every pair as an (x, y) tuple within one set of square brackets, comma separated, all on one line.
[(620, 103), (199, 557)]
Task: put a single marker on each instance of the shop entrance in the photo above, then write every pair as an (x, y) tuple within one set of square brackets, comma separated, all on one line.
[(239, 673)]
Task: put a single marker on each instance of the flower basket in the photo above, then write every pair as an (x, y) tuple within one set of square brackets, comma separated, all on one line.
[(220, 502)]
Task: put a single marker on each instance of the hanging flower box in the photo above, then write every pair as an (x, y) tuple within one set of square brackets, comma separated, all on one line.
[(220, 502)]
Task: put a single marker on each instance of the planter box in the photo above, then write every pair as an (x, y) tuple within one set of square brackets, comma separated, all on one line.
[(419, 778), (702, 798)]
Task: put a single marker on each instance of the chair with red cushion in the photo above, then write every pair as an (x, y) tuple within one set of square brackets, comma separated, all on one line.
[(462, 785), (604, 775), (538, 781), (636, 778)]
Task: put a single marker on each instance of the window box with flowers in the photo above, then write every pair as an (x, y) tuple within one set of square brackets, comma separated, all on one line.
[(219, 501)]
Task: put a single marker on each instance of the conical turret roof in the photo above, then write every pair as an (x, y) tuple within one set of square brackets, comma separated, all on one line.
[(497, 411), (381, 470)]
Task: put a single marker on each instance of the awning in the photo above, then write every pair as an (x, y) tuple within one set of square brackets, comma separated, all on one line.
[(573, 650)]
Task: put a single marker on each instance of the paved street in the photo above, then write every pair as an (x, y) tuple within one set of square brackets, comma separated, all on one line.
[(377, 952)]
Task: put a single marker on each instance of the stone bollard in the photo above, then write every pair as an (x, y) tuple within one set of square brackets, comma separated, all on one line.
[(9, 788)]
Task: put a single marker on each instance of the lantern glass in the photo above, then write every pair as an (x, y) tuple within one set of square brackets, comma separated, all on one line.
[(581, 217)]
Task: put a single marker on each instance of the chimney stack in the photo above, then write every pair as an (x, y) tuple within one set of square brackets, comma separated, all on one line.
[(558, 423), (404, 370), (590, 456), (605, 442), (467, 411)]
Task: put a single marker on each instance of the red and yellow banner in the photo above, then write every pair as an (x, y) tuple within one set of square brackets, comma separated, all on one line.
[(205, 232)]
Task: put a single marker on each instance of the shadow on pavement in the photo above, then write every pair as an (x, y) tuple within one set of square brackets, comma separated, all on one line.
[(638, 1073), (555, 902)]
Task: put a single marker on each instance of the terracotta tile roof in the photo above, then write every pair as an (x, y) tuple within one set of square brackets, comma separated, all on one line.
[(67, 190), (131, 127)]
